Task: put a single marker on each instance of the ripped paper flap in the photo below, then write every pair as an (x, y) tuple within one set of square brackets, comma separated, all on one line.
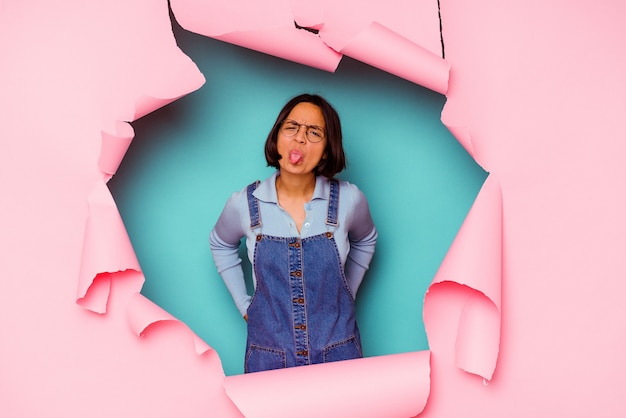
[(395, 385), (106, 249), (474, 261)]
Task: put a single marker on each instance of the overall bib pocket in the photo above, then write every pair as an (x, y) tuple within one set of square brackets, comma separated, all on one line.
[(342, 350), (264, 358)]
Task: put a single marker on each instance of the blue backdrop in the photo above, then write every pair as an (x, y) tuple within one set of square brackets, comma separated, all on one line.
[(188, 157)]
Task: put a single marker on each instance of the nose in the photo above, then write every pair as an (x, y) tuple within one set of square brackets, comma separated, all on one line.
[(300, 136)]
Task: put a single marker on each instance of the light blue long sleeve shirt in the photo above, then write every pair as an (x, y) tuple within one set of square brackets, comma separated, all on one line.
[(355, 235)]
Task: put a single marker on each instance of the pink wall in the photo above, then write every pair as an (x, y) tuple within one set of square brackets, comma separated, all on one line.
[(536, 94)]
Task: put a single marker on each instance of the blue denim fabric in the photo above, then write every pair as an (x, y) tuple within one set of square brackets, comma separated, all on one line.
[(302, 311), (355, 234)]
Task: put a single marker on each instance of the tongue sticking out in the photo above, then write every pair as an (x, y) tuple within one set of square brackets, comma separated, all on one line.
[(295, 157)]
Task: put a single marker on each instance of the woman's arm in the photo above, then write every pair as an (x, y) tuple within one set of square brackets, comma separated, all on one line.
[(224, 242), (362, 235)]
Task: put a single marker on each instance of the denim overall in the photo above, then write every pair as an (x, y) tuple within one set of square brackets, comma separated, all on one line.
[(302, 311)]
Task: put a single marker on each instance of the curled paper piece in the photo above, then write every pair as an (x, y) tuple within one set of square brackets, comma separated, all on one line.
[(383, 48), (266, 27), (474, 262), (478, 337), (161, 89), (289, 43), (143, 314), (170, 77), (114, 147), (339, 21), (396, 385), (106, 250)]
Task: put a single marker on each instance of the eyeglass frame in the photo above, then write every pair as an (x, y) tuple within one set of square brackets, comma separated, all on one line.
[(306, 132)]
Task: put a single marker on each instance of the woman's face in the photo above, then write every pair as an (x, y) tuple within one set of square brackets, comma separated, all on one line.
[(298, 154)]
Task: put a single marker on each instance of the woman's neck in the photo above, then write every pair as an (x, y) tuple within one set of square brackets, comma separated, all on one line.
[(296, 186)]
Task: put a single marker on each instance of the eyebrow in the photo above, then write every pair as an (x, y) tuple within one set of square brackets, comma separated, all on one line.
[(304, 124)]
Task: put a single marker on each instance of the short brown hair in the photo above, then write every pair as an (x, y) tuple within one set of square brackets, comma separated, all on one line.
[(335, 159)]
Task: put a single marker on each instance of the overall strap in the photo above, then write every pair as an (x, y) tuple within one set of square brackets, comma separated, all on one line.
[(333, 203), (253, 206)]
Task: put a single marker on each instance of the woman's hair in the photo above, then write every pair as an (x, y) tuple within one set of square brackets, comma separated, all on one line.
[(334, 160)]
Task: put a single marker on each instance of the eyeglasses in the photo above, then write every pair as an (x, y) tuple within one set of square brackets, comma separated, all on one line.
[(290, 128)]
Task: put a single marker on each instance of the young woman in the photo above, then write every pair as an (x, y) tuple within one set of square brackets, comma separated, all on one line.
[(310, 239)]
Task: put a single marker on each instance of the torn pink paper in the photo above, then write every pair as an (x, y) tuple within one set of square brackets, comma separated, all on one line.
[(380, 47), (147, 104), (114, 147), (402, 38), (143, 314), (474, 260), (106, 249), (266, 27), (171, 76), (478, 339), (399, 380), (340, 21), (524, 110), (395, 385)]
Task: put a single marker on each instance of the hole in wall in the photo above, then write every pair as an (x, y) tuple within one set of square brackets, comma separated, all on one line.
[(188, 157)]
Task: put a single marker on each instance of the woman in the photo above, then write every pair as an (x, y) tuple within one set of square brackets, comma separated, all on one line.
[(310, 239)]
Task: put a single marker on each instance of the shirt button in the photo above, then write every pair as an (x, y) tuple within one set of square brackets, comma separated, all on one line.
[(307, 225)]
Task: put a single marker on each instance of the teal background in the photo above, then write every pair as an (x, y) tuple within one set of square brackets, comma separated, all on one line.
[(188, 157)]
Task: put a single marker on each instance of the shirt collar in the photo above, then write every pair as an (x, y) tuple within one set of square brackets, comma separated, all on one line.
[(266, 191)]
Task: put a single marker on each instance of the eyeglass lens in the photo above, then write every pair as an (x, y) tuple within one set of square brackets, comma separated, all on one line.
[(313, 133)]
